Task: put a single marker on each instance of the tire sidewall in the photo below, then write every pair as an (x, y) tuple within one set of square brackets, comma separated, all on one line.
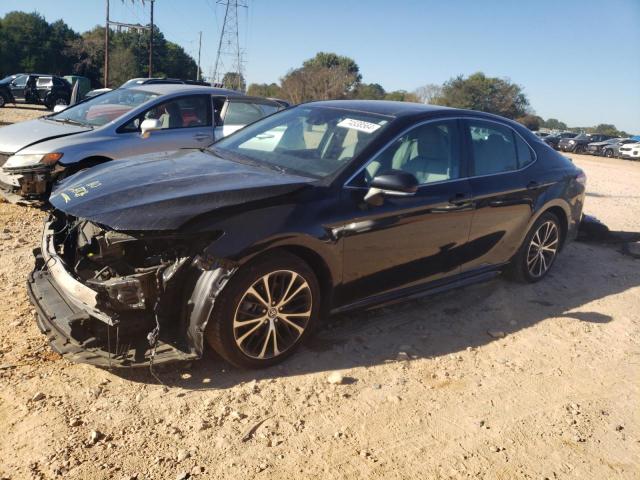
[(3, 101), (226, 304)]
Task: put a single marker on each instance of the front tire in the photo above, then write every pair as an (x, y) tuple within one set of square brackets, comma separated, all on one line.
[(538, 251), (268, 308), (3, 101), (608, 153)]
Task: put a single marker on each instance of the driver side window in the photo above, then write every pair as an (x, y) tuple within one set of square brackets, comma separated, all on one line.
[(430, 152), (183, 112)]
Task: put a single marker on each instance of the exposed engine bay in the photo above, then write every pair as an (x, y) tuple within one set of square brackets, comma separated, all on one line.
[(126, 290)]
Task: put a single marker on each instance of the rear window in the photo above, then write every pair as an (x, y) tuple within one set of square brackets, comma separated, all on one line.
[(44, 82)]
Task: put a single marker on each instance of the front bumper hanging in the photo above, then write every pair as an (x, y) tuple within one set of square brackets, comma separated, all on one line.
[(68, 314)]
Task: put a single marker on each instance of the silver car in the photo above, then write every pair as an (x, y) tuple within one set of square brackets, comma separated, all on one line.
[(118, 124)]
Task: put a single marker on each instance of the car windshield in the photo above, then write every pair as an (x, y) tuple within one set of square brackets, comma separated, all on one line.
[(104, 108), (582, 136), (307, 140)]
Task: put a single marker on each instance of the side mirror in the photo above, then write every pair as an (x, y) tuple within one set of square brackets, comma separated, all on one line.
[(59, 108), (148, 126), (395, 183)]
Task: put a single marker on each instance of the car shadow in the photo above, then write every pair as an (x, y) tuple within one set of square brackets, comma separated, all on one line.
[(432, 326)]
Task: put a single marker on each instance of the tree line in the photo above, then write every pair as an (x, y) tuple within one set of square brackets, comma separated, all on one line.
[(28, 43), (330, 76)]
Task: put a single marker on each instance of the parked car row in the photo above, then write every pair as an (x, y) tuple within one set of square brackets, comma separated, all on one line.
[(593, 144), (161, 241)]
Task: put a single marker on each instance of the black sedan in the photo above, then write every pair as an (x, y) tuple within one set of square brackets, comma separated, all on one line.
[(322, 208)]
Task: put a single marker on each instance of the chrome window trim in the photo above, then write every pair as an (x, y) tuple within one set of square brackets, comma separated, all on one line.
[(434, 120)]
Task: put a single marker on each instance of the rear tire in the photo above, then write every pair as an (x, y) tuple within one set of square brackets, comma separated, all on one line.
[(538, 250), (3, 101), (252, 327)]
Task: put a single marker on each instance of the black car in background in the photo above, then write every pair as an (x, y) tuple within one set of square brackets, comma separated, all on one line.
[(321, 208), (596, 148), (578, 144), (35, 88), (553, 140)]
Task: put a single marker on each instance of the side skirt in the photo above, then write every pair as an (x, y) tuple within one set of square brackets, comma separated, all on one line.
[(411, 293)]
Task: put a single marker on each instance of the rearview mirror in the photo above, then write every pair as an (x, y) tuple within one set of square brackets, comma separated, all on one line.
[(395, 183), (148, 126), (59, 108)]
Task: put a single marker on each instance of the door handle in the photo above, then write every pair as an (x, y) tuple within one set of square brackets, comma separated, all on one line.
[(532, 185), (201, 136), (460, 199)]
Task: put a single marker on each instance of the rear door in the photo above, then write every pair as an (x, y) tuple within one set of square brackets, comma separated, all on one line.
[(504, 190), (240, 111)]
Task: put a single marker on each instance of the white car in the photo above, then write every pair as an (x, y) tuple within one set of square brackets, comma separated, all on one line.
[(630, 151)]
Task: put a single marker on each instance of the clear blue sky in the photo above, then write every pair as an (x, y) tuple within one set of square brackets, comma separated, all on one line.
[(578, 61)]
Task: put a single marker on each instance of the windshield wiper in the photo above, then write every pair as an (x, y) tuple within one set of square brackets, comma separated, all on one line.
[(72, 122)]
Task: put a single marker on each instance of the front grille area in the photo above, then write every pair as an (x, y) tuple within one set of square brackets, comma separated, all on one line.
[(3, 158)]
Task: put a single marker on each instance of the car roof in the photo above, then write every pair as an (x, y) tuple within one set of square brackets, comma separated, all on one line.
[(167, 88), (382, 107)]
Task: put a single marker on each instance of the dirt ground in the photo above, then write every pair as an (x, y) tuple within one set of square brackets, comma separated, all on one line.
[(20, 113), (552, 392)]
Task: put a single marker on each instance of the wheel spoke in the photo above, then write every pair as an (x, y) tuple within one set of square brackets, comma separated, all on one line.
[(247, 334), (290, 323), (265, 281), (254, 292), (294, 277), (246, 323), (294, 294)]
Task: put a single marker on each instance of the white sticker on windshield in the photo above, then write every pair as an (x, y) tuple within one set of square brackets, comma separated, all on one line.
[(359, 125)]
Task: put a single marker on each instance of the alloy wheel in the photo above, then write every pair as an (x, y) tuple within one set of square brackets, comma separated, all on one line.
[(272, 314), (542, 249)]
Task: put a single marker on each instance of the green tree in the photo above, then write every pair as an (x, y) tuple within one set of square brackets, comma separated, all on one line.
[(402, 96), (25, 36), (272, 90), (553, 124), (369, 91), (608, 129), (532, 122), (335, 61), (233, 81), (486, 94)]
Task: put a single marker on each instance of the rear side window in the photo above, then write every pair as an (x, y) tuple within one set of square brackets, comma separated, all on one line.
[(241, 113), (497, 148)]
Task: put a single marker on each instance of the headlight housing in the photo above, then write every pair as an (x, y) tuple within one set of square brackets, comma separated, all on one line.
[(571, 142), (30, 160)]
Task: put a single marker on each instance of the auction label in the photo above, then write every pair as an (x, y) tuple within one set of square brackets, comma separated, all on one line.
[(359, 125)]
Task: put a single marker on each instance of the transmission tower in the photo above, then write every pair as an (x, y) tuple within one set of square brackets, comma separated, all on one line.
[(229, 56)]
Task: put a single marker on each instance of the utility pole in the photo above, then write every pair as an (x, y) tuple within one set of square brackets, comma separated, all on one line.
[(199, 50), (229, 43), (106, 49), (151, 42)]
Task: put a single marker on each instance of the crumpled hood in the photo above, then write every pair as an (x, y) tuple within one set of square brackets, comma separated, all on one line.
[(22, 134), (162, 191)]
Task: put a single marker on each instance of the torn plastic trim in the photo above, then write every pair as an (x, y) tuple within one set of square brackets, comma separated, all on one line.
[(202, 300), (76, 292)]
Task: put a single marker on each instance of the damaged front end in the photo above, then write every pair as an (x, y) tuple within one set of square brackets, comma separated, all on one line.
[(27, 185), (113, 298)]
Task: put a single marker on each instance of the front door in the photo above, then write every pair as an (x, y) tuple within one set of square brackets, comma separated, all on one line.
[(186, 123), (18, 87), (408, 241)]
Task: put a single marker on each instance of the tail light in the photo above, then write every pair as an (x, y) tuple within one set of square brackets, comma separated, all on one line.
[(581, 178)]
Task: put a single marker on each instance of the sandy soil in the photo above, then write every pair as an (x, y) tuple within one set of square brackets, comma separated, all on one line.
[(428, 392), (21, 112)]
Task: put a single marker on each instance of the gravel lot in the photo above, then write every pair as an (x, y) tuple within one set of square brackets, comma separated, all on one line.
[(21, 112), (498, 380)]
